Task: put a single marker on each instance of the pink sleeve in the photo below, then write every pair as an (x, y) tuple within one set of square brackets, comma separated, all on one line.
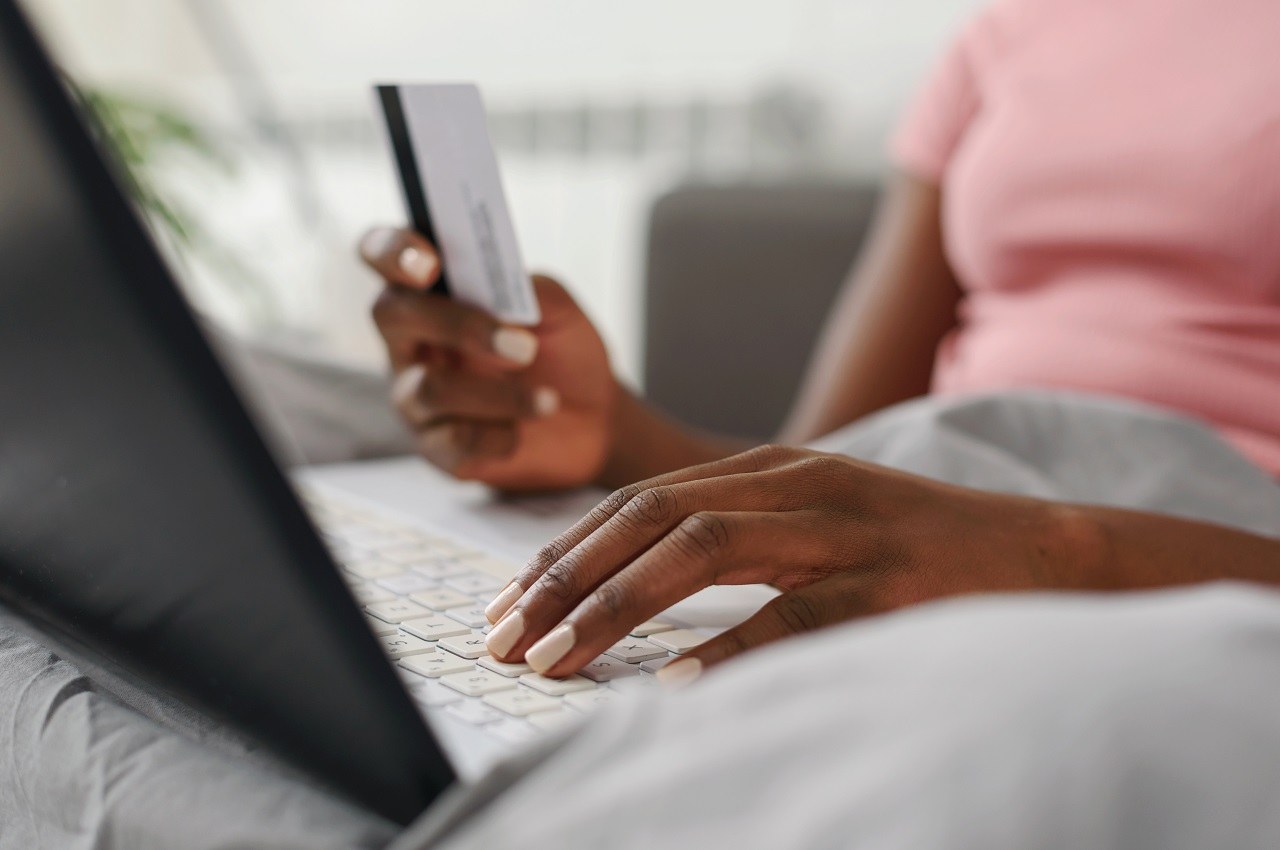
[(936, 118)]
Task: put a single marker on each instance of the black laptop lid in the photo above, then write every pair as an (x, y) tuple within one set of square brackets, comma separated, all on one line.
[(142, 520)]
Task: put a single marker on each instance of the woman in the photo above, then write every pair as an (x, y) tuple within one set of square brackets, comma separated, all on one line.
[(1087, 198)]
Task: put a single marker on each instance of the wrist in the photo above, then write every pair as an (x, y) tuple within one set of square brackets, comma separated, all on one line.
[(1078, 547), (643, 443)]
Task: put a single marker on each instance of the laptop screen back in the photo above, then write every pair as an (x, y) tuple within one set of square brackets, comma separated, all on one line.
[(142, 521)]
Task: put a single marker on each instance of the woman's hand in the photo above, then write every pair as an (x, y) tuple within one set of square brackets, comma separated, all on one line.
[(516, 408), (841, 539)]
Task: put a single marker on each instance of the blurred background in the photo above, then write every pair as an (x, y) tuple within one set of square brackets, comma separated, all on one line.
[(254, 129)]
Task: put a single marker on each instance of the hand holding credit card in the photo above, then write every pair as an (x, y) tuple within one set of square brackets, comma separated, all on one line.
[(453, 190), (500, 376)]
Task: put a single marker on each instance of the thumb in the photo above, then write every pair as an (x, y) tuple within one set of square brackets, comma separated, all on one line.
[(811, 607)]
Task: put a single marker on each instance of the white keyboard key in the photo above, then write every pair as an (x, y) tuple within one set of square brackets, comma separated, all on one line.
[(473, 583), (554, 721), (372, 569), (605, 669), (407, 583), (631, 684), (434, 627), (477, 682), (380, 628), (557, 687), (407, 556), (396, 610), (472, 617), (346, 554), (651, 628), (587, 701), (442, 599), (432, 694), (467, 646), (436, 664), (474, 712), (401, 645), (656, 664), (365, 537), (635, 650), (502, 668), (441, 569), (367, 594), (519, 702), (679, 641), (513, 731)]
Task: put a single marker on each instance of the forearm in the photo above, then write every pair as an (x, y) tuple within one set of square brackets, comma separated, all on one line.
[(1111, 549), (647, 443)]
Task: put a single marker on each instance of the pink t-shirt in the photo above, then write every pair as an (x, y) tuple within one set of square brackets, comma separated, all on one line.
[(1110, 172)]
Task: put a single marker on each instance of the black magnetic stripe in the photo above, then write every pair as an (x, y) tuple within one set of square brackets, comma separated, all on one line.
[(411, 183)]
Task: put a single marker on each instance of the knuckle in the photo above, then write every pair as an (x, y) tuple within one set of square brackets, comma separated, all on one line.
[(703, 535), (821, 466), (559, 581), (616, 501), (768, 455), (799, 612), (655, 506), (614, 599), (548, 555), (384, 308)]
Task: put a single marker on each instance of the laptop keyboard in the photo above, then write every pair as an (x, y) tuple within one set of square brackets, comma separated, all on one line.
[(424, 597)]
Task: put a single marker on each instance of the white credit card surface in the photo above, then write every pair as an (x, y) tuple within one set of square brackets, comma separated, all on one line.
[(453, 190)]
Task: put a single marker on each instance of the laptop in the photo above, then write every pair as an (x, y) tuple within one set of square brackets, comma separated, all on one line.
[(146, 530)]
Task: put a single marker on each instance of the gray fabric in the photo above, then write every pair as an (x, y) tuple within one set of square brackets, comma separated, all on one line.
[(81, 770), (1130, 722), (778, 748), (311, 409)]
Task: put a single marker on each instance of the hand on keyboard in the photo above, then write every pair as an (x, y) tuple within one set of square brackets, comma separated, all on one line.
[(844, 538), (425, 599)]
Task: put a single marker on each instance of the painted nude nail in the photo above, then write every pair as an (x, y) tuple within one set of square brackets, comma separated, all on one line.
[(502, 603), (544, 654), (505, 635), (404, 392), (417, 264), (679, 673), (546, 401), (515, 344)]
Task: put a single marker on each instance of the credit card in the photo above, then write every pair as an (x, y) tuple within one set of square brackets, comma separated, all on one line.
[(453, 191)]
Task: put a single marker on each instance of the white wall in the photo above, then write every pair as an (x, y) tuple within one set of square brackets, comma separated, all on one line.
[(582, 218)]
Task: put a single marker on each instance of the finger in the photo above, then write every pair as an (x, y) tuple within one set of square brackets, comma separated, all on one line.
[(423, 393), (707, 548), (401, 256), (836, 599), (656, 516), (755, 460), (408, 320), (462, 446)]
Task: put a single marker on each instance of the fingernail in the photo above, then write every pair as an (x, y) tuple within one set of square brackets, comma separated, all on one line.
[(679, 673), (544, 654), (417, 264), (376, 242), (439, 447), (505, 635), (546, 401), (502, 603), (406, 384), (404, 393), (515, 344)]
